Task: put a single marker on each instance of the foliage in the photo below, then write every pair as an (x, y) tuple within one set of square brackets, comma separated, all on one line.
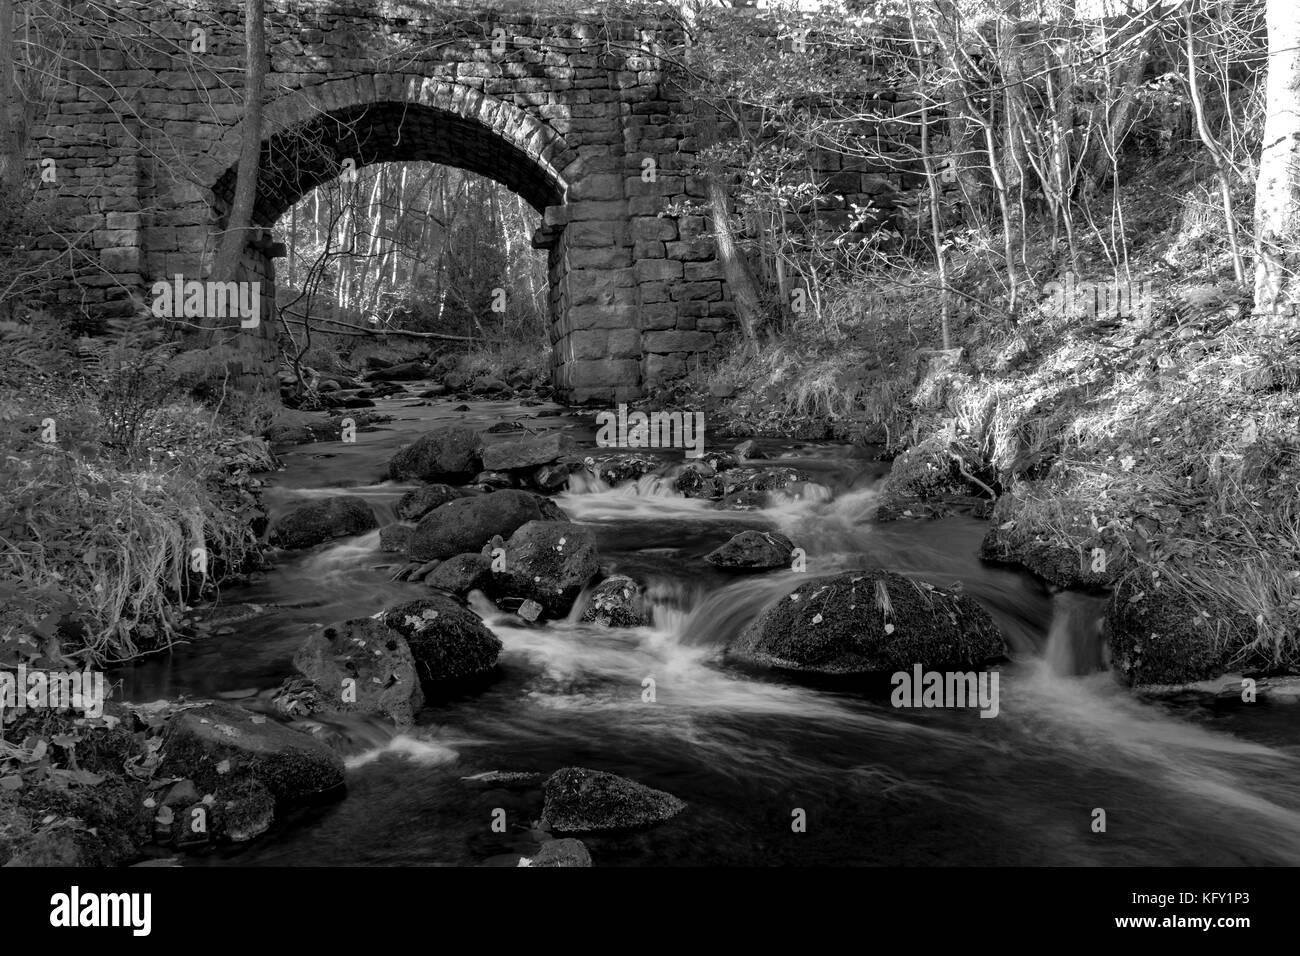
[(112, 478)]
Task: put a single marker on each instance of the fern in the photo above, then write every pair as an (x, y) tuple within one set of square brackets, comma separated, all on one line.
[(129, 371)]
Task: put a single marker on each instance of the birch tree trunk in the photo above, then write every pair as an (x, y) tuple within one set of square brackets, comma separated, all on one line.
[(1277, 190)]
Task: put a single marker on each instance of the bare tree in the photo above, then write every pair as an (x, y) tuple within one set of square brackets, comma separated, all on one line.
[(240, 219)]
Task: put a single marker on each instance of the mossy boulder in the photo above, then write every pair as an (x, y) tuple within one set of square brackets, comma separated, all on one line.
[(869, 622), (418, 502), (218, 743), (924, 475), (450, 453), (549, 562), (584, 801), (316, 521), (1066, 554), (466, 524), (527, 451), (753, 551), (617, 601), (461, 574), (759, 479), (1161, 635), (449, 642), (565, 852)]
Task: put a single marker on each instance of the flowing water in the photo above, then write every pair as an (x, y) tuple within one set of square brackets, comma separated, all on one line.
[(1189, 783)]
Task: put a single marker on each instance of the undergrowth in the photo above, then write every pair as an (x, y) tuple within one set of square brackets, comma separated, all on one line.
[(120, 496)]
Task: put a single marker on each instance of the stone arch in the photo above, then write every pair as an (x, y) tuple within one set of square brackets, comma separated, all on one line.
[(388, 118)]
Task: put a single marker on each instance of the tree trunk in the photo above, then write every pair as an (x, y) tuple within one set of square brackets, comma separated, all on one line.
[(735, 267), (740, 279), (1277, 190), (11, 107), (241, 208)]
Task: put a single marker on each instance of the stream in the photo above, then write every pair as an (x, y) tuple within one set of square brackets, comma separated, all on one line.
[(1189, 782)]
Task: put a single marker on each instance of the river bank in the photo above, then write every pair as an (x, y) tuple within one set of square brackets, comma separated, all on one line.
[(742, 749)]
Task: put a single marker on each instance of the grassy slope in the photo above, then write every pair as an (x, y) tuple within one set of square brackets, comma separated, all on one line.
[(1167, 441)]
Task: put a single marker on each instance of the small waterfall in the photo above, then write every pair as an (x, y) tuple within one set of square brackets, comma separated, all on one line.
[(1075, 640)]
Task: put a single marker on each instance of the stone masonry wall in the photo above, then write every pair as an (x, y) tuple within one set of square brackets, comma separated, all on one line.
[(144, 136)]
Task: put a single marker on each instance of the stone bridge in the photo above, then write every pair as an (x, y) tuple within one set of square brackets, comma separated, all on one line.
[(564, 110)]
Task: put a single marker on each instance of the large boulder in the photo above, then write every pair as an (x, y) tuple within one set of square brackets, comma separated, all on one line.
[(868, 622), (449, 642), (617, 601), (584, 801), (1164, 636), (405, 372), (461, 574), (418, 502), (466, 524), (753, 551), (445, 454), (362, 665), (316, 521), (527, 451), (549, 562), (216, 744)]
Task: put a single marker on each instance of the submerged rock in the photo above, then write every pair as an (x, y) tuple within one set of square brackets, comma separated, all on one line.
[(316, 521), (395, 537), (582, 801), (869, 622), (744, 501), (753, 551), (362, 665), (617, 601)]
